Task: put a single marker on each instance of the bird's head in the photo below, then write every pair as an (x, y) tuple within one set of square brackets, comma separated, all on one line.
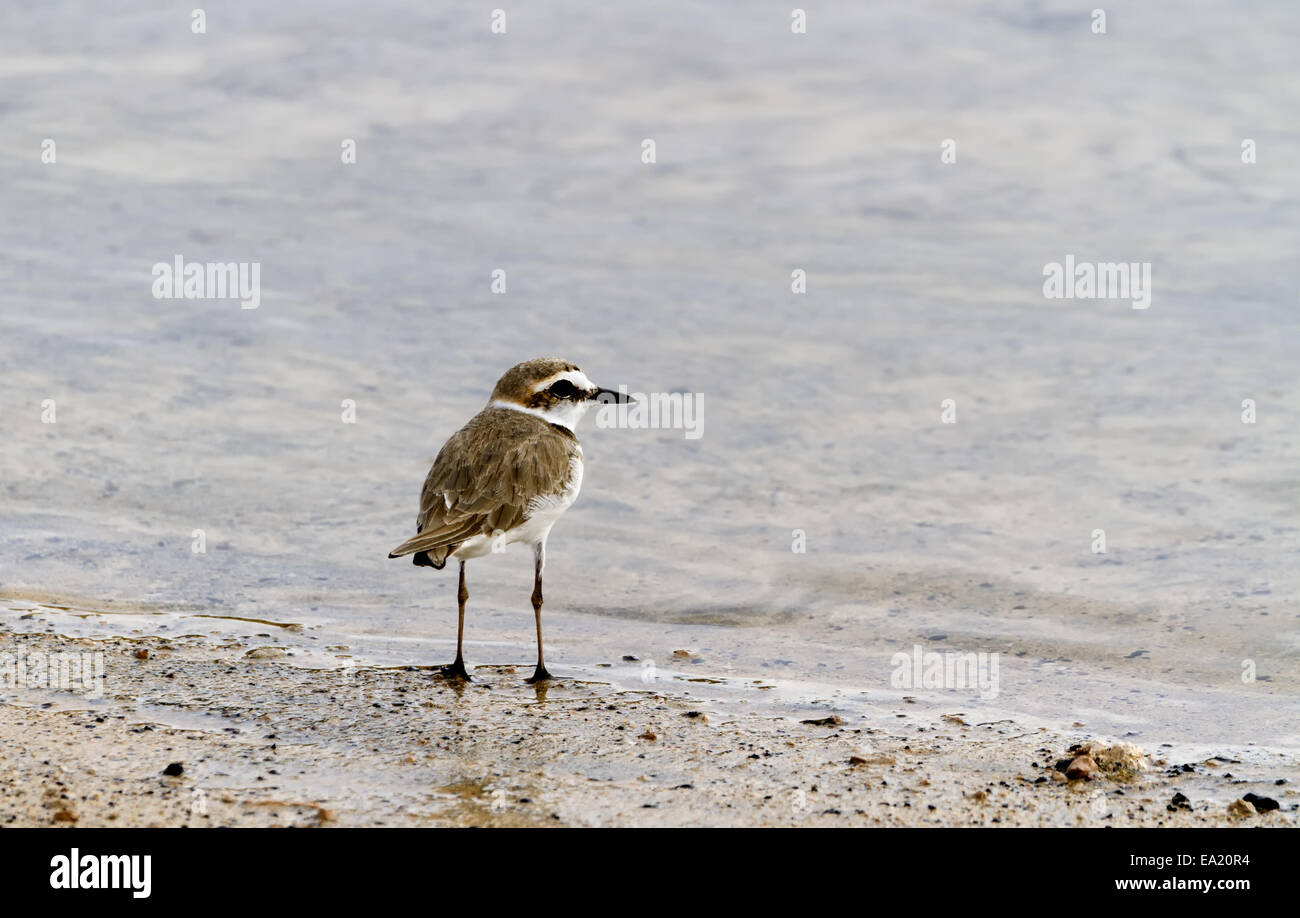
[(554, 389)]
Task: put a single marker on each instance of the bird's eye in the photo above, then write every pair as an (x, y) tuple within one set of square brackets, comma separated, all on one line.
[(564, 389)]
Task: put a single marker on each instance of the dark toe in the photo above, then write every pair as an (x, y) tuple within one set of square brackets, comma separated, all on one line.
[(455, 671)]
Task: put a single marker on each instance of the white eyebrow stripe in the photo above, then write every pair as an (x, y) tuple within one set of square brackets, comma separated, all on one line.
[(577, 377)]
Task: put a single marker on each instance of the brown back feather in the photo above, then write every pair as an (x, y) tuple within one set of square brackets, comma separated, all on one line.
[(491, 468)]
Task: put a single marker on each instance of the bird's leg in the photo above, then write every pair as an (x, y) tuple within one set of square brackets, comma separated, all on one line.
[(539, 552), (457, 669)]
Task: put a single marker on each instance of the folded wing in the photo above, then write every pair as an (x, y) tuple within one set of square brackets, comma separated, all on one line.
[(484, 479)]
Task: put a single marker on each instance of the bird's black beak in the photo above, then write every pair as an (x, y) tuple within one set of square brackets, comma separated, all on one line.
[(610, 397)]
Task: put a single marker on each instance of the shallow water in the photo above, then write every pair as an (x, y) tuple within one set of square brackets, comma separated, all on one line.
[(822, 410)]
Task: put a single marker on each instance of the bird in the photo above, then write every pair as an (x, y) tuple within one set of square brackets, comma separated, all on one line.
[(506, 477)]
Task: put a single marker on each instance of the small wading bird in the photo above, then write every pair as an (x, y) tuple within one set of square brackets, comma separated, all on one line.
[(504, 477)]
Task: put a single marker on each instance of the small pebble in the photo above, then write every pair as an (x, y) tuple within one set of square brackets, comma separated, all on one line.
[(831, 721), (1240, 809), (1263, 804), (1081, 768)]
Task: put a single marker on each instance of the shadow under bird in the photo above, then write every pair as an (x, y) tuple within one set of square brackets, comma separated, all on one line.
[(505, 477)]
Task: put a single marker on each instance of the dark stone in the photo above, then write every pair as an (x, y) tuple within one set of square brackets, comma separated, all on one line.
[(823, 721), (1263, 804)]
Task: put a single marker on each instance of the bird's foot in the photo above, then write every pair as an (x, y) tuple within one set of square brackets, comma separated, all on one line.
[(455, 670), (539, 675)]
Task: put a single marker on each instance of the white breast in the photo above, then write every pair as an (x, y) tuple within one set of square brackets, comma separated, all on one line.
[(542, 513), (545, 510)]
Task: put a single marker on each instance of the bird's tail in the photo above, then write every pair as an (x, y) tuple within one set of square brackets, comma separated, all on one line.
[(432, 546), (425, 556)]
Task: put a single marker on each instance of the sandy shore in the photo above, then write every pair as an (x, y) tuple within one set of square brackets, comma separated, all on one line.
[(262, 739)]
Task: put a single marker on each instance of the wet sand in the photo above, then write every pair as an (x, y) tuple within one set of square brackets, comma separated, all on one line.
[(264, 738)]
